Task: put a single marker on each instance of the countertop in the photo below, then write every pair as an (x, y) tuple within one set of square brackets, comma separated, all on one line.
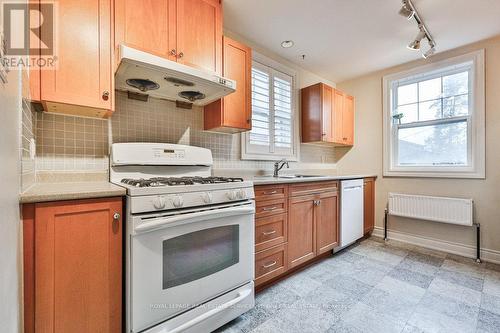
[(267, 180), (43, 192)]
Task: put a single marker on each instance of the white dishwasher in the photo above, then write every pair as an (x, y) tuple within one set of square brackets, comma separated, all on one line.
[(351, 211)]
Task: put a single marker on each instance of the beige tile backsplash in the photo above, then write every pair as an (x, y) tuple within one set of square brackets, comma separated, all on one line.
[(28, 124), (74, 144)]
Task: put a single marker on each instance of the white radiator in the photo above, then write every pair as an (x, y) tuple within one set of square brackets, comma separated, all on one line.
[(439, 209)]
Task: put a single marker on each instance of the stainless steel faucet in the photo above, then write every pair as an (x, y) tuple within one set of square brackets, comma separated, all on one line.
[(279, 165)]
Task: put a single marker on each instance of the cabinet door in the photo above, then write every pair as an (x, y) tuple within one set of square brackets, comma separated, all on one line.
[(148, 25), (199, 34), (301, 230), (369, 205), (327, 114), (233, 113), (327, 222), (348, 121), (78, 275), (83, 74), (338, 110)]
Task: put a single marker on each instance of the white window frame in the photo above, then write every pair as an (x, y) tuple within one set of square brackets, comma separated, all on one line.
[(253, 152), (476, 122)]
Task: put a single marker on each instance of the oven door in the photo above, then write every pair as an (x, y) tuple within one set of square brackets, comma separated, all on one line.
[(180, 261)]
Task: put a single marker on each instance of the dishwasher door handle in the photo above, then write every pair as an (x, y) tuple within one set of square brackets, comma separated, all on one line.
[(352, 188)]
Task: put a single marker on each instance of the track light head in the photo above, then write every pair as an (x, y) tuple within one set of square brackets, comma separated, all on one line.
[(406, 11), (415, 45), (430, 51)]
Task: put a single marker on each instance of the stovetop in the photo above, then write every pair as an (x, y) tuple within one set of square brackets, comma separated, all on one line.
[(177, 181)]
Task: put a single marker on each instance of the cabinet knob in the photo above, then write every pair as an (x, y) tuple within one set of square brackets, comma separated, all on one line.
[(345, 139), (105, 95), (116, 216), (173, 52), (180, 55)]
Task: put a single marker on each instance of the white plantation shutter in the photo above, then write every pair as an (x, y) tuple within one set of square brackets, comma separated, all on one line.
[(272, 133)]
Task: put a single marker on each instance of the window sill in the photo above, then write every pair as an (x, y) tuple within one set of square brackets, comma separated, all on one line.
[(434, 174)]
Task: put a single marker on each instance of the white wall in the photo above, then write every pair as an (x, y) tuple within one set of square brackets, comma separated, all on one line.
[(366, 156), (10, 254)]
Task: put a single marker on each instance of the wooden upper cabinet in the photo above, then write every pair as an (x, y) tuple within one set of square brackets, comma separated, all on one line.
[(369, 205), (327, 115), (327, 222), (77, 247), (199, 34), (348, 121), (82, 84), (233, 113), (148, 25)]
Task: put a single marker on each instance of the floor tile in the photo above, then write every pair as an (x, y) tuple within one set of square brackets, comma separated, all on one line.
[(411, 277), (398, 287), (395, 306), (490, 303), (364, 319), (274, 299), (419, 267), (455, 291), (425, 258), (369, 276), (488, 322), (471, 269), (412, 329), (352, 288), (462, 279), (305, 317), (491, 284), (301, 284)]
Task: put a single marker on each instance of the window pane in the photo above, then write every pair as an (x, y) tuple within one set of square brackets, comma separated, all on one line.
[(456, 106), (456, 84), (409, 113), (259, 135), (429, 89), (443, 144), (430, 110), (407, 94)]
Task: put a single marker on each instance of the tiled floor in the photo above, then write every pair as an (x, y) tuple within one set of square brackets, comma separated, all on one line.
[(377, 287)]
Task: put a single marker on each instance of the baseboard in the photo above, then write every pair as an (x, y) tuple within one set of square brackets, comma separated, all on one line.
[(441, 245)]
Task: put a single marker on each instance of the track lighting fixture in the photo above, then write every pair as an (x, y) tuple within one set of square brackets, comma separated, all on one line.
[(408, 10), (415, 45)]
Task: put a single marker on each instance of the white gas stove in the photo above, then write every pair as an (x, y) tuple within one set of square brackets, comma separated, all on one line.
[(190, 239)]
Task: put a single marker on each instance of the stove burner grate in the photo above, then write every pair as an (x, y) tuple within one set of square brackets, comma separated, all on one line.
[(173, 181)]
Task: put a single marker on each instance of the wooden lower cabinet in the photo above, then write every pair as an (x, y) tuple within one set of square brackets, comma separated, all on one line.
[(369, 205), (327, 230), (270, 263), (302, 231), (73, 263)]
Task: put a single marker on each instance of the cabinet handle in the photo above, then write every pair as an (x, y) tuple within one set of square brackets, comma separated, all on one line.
[(180, 55), (317, 202), (173, 52), (268, 233), (323, 134), (270, 265), (116, 216), (269, 209), (345, 139), (270, 192), (105, 95)]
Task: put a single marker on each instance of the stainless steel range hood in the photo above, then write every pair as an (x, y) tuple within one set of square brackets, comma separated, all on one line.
[(145, 73)]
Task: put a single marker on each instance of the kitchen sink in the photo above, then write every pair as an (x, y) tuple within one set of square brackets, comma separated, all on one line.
[(290, 176)]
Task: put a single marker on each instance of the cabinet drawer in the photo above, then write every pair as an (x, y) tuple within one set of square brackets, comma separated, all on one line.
[(313, 188), (270, 192), (270, 207), (270, 231), (270, 263)]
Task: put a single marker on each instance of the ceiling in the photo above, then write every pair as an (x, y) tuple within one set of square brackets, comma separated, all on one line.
[(343, 39)]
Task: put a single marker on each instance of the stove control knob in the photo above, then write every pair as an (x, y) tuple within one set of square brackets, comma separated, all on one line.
[(177, 201), (159, 203), (231, 195), (207, 197), (242, 194)]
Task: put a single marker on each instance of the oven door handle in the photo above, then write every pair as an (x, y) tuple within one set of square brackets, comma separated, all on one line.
[(241, 295), (176, 220)]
